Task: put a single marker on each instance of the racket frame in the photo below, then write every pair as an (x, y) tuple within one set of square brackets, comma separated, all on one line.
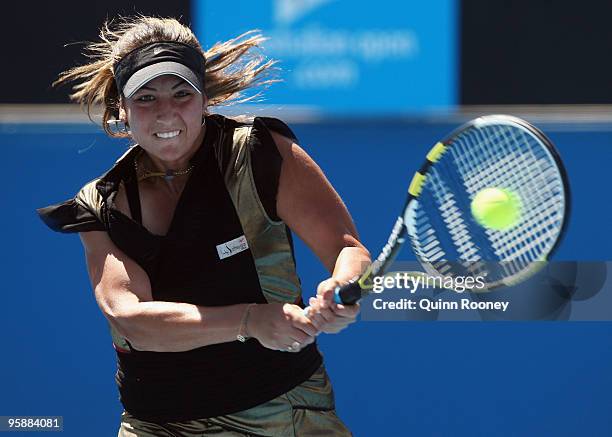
[(360, 286)]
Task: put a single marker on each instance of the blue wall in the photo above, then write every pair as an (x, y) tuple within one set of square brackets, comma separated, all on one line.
[(391, 378)]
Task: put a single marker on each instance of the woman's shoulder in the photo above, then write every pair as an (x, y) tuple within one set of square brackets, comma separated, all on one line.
[(258, 125), (250, 149)]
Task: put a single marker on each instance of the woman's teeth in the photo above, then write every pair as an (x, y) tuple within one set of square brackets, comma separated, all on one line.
[(167, 134)]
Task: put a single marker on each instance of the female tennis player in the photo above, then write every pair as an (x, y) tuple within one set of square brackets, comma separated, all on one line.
[(188, 243)]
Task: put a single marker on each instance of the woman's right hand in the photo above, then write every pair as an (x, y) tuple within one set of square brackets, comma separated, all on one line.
[(280, 326)]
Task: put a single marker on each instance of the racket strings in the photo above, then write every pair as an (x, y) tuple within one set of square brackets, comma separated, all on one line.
[(427, 246), (541, 209), (502, 156), (525, 175), (516, 165), (517, 253), (540, 206)]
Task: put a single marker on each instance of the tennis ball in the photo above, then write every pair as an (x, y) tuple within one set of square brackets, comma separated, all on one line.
[(496, 208)]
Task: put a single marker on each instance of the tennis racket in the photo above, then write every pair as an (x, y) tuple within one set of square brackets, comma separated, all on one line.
[(495, 151)]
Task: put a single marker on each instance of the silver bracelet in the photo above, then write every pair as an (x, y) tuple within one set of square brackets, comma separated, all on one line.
[(242, 334)]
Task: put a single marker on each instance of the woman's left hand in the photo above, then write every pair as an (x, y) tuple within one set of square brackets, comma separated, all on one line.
[(326, 315)]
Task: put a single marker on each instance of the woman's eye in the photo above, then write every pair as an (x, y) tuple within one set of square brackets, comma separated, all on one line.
[(182, 93), (145, 98)]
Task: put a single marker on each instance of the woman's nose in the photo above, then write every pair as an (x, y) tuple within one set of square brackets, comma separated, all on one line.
[(166, 109)]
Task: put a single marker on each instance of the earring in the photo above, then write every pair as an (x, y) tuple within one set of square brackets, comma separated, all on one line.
[(203, 121), (119, 126)]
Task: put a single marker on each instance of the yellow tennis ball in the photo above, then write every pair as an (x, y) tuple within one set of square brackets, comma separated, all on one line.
[(496, 208)]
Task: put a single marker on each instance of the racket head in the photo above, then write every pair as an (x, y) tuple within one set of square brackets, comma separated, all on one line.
[(495, 151)]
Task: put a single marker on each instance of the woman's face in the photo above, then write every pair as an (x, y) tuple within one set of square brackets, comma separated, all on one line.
[(165, 118)]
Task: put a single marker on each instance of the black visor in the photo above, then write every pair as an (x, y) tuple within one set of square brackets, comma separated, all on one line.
[(156, 59)]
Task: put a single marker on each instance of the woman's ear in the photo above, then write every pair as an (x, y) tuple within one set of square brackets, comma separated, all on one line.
[(122, 113), (204, 104)]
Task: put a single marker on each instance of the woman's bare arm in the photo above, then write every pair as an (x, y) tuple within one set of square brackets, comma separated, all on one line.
[(123, 293), (310, 206), (308, 203)]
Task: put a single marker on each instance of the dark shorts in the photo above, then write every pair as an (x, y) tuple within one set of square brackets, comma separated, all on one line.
[(307, 410)]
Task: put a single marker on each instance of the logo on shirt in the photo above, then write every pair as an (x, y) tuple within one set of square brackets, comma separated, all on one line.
[(232, 247)]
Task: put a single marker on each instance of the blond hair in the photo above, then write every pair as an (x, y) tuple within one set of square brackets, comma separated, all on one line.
[(231, 67)]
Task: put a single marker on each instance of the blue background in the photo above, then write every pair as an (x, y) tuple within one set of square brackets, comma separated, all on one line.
[(391, 378), (342, 69)]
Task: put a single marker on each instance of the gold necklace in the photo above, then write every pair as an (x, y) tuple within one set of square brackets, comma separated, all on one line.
[(167, 175)]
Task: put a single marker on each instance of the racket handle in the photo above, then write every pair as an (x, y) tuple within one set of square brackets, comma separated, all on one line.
[(348, 294)]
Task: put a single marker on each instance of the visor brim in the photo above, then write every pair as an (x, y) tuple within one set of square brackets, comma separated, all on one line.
[(146, 74)]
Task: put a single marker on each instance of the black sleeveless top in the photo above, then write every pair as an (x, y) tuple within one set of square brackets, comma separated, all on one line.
[(185, 265)]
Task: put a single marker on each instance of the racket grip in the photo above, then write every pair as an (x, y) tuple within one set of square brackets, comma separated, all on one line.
[(348, 294)]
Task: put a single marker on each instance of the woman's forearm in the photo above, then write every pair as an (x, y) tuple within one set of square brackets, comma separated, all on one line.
[(175, 327), (351, 262)]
